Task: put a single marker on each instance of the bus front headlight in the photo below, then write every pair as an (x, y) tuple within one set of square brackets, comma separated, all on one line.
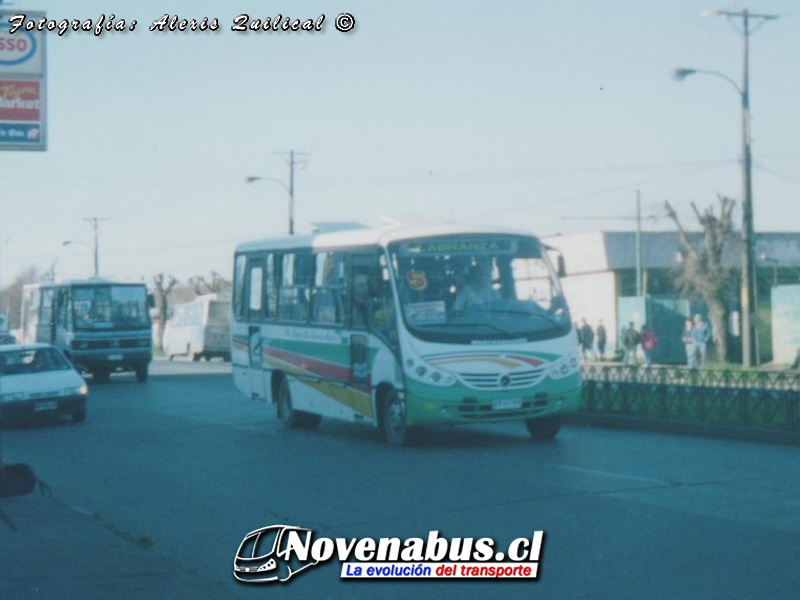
[(421, 371), (565, 367)]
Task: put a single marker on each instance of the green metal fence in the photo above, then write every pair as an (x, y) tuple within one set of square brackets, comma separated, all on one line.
[(763, 399)]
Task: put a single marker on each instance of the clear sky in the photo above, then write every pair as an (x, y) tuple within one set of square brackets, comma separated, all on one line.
[(524, 113)]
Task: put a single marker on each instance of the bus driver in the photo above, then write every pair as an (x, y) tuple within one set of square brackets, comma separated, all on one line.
[(477, 289)]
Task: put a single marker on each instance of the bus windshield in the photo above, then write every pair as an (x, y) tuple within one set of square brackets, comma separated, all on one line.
[(110, 307), (473, 288)]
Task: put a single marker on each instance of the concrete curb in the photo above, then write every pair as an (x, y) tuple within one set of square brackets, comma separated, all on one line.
[(748, 434)]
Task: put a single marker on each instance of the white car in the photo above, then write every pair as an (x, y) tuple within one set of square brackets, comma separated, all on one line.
[(37, 379)]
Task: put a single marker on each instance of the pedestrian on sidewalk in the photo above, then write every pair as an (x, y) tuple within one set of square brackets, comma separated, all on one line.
[(630, 341), (649, 341)]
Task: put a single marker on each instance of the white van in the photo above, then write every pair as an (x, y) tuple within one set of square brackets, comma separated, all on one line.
[(199, 329)]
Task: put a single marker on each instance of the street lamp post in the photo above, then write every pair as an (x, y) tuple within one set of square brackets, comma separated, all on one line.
[(289, 189), (71, 243), (774, 262), (293, 162), (747, 291)]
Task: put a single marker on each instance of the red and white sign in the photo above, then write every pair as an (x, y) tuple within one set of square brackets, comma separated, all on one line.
[(23, 85), (20, 100)]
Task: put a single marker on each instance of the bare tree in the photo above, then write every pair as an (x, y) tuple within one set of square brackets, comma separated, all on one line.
[(162, 286), (11, 295), (217, 285), (701, 272)]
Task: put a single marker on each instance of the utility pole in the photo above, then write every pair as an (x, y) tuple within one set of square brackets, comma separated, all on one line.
[(747, 291), (292, 162), (638, 237), (95, 222)]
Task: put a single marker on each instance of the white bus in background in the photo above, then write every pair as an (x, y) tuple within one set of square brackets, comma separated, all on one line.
[(396, 327), (102, 326), (199, 329)]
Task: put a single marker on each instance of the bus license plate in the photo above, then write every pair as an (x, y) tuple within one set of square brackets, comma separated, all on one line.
[(506, 403), (45, 406), (115, 357)]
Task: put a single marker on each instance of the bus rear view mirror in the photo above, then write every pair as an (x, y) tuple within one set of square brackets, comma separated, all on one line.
[(561, 267)]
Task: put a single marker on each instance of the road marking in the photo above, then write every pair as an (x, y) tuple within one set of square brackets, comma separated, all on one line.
[(614, 475)]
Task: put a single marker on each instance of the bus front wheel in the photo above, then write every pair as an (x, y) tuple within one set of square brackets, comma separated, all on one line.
[(543, 429), (395, 426), (288, 416), (141, 373)]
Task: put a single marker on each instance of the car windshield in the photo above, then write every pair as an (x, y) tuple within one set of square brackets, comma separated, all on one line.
[(470, 288), (110, 307), (36, 360)]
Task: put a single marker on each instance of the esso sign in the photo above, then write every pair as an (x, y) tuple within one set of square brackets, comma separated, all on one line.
[(18, 51)]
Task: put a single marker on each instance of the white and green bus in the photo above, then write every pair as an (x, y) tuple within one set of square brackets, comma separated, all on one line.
[(102, 326), (402, 327)]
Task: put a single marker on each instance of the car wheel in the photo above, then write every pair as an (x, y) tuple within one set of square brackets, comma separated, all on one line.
[(543, 429), (141, 373), (395, 425), (79, 416)]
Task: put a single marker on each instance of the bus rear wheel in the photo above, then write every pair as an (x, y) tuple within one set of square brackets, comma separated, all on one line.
[(395, 426), (545, 428), (100, 376), (288, 416), (141, 373)]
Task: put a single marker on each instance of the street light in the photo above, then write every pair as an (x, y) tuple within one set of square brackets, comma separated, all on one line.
[(290, 191), (72, 243), (765, 258), (747, 292)]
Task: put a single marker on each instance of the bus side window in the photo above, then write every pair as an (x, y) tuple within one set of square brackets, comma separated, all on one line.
[(238, 286), (255, 289), (61, 312), (46, 314), (330, 291), (271, 309), (384, 316), (293, 296)]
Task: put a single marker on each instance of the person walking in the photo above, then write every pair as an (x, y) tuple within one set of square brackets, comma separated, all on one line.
[(587, 340), (688, 343), (649, 341), (701, 335), (602, 340), (630, 340)]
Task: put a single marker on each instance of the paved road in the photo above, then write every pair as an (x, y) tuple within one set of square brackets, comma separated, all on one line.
[(189, 464)]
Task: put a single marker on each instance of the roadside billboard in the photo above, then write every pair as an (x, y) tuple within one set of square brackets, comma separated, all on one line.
[(22, 86)]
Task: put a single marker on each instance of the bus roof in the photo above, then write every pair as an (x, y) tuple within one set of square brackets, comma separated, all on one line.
[(88, 281), (372, 236)]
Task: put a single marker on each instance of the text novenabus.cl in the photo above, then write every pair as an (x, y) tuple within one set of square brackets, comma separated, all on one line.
[(277, 552)]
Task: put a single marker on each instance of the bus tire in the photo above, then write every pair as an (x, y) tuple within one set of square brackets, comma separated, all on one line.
[(545, 428), (310, 420), (100, 376), (141, 373), (287, 416), (394, 422)]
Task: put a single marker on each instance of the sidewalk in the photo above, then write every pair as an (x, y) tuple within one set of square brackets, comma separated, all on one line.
[(50, 550)]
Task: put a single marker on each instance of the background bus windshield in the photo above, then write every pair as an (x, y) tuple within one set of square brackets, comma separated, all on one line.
[(110, 307), (466, 288)]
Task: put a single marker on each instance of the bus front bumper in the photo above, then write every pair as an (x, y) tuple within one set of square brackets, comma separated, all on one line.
[(483, 407)]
